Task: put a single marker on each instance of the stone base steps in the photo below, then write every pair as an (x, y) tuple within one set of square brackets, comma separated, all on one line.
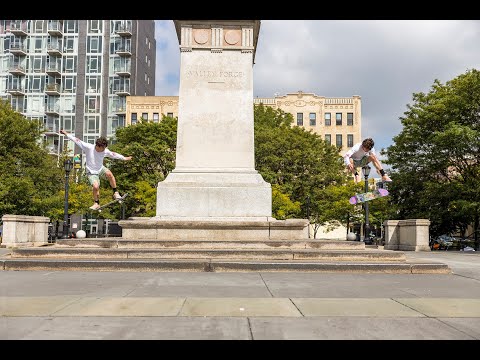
[(199, 253), (212, 244), (197, 265), (118, 254)]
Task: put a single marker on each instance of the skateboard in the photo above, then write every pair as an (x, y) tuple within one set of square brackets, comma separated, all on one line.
[(371, 195), (112, 202)]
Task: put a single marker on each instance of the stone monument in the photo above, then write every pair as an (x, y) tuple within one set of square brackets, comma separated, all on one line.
[(214, 187), (215, 172)]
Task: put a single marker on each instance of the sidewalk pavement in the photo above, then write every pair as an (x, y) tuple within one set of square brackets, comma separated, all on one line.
[(244, 306)]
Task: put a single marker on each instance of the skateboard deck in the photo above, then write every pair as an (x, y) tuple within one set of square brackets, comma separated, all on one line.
[(370, 195), (112, 202)]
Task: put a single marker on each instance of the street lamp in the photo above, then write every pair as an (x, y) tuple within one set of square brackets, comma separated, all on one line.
[(366, 173), (68, 166)]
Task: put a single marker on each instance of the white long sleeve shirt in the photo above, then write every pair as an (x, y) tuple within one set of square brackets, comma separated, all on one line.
[(357, 153), (94, 158)]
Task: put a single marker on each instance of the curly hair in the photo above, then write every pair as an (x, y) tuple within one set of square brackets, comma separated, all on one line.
[(368, 143), (101, 142)]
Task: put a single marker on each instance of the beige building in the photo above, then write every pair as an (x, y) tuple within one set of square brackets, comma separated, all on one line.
[(337, 120), (150, 108)]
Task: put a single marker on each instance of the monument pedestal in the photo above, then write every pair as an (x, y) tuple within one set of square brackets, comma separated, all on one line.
[(213, 229), (214, 194)]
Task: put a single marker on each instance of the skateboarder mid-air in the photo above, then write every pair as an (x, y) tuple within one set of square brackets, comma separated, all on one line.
[(94, 155), (360, 155)]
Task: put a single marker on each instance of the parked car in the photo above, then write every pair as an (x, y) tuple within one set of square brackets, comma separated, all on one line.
[(442, 242)]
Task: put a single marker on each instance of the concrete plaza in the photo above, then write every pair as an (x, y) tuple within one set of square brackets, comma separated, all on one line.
[(244, 306)]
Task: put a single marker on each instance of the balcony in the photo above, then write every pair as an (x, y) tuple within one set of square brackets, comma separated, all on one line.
[(124, 30), (53, 110), (123, 72), (52, 89), (18, 49), (55, 28), (18, 29), (54, 49), (122, 90), (17, 90), (51, 129), (17, 69), (123, 51), (119, 110), (54, 70)]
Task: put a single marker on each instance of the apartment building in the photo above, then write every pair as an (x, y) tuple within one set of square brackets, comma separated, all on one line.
[(337, 120), (150, 108), (76, 74)]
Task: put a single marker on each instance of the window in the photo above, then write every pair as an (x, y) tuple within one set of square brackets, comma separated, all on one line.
[(39, 26), (328, 119), (70, 66), (155, 117), (350, 140), (338, 141), (145, 76), (94, 44), (146, 59), (134, 118), (69, 44), (39, 45), (71, 26), (170, 115), (350, 119), (93, 84), (313, 119), (95, 26), (145, 116), (300, 119), (68, 122), (92, 104), (328, 138), (68, 83), (94, 64), (92, 124), (338, 118)]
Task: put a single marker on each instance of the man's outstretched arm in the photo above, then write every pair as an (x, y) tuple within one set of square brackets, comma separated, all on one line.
[(76, 140)]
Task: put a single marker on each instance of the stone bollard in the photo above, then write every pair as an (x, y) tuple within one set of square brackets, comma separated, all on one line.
[(407, 235), (23, 230)]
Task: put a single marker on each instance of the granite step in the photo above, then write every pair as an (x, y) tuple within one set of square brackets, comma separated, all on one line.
[(197, 265), (370, 255), (212, 244)]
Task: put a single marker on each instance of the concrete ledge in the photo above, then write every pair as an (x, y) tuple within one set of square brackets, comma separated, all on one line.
[(215, 229), (220, 266)]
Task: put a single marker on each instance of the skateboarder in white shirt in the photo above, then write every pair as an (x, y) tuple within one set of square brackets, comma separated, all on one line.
[(360, 155), (94, 155)]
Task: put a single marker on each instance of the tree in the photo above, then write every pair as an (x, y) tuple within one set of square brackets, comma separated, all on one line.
[(299, 162), (153, 150), (30, 179), (435, 158)]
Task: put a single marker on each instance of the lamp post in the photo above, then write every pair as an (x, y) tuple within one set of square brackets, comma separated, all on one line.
[(68, 166), (366, 173)]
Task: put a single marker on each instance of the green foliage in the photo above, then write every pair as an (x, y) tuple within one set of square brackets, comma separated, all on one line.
[(298, 161), (282, 206), (436, 156), (30, 178), (153, 150)]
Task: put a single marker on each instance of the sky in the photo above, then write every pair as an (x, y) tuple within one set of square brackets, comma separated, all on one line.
[(383, 61)]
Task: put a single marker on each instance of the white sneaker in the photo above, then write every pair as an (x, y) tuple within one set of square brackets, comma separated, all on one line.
[(117, 196), (386, 178), (356, 179), (94, 206)]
